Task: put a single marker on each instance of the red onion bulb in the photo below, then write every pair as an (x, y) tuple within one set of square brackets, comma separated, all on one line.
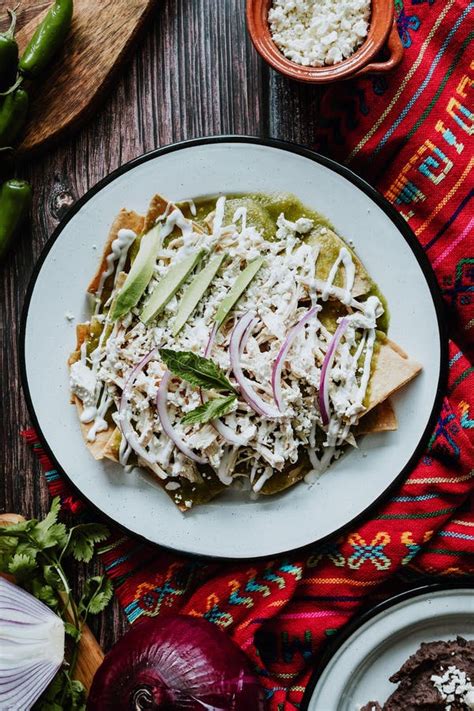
[(175, 662)]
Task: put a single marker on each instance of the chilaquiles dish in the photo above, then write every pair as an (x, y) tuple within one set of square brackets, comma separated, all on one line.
[(233, 341)]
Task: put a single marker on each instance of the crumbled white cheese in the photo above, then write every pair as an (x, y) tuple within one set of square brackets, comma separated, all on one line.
[(279, 295), (69, 316), (454, 686), (83, 383), (317, 33)]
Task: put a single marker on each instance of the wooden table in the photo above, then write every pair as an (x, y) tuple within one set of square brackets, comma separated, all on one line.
[(194, 73)]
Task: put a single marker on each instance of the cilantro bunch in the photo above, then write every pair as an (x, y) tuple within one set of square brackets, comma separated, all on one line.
[(34, 552)]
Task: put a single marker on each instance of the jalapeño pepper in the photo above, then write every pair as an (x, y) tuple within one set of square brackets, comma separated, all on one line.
[(13, 113), (15, 202), (8, 55), (47, 39)]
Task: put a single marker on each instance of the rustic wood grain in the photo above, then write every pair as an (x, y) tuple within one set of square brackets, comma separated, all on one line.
[(194, 73), (100, 37)]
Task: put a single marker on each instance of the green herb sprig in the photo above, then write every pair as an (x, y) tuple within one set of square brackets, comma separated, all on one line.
[(202, 373), (210, 410), (196, 370), (34, 552)]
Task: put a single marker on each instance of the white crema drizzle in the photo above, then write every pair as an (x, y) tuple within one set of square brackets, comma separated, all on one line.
[(348, 387)]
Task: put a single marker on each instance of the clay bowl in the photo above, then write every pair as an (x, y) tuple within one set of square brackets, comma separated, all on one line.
[(382, 35)]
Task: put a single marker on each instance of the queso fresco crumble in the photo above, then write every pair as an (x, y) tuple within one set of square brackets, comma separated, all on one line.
[(318, 32)]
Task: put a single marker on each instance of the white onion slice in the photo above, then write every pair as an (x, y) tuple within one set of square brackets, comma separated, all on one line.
[(323, 396), (280, 359), (162, 407), (124, 419), (32, 647), (238, 340)]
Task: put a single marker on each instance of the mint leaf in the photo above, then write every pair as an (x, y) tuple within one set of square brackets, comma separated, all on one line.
[(210, 410), (196, 370), (83, 538)]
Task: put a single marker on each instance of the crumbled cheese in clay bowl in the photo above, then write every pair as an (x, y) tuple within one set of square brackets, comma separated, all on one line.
[(323, 41), (318, 32)]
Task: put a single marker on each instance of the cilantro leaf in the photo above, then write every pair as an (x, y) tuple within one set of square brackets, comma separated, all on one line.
[(77, 695), (72, 631), (45, 593), (196, 370), (97, 594), (21, 565), (83, 538), (48, 533), (62, 693), (34, 554), (210, 410), (52, 577)]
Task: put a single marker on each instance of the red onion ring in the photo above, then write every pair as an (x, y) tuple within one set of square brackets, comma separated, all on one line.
[(123, 418), (225, 432), (238, 340), (162, 407), (280, 359), (323, 395), (211, 340)]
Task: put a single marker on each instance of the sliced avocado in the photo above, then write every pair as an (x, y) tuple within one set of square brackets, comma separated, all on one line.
[(139, 275), (195, 291), (169, 285), (241, 283)]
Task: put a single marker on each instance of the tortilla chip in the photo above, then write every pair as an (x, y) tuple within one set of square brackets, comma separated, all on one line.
[(111, 449), (393, 370), (381, 418), (362, 281), (97, 447), (158, 206), (126, 219), (283, 480)]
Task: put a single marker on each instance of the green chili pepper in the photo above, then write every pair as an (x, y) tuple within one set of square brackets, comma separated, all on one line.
[(15, 202), (13, 113), (8, 55), (47, 39)]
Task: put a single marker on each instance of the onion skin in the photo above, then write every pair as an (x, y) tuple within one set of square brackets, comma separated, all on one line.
[(175, 662)]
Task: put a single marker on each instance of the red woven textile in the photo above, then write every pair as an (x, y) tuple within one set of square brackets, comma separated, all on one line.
[(411, 135)]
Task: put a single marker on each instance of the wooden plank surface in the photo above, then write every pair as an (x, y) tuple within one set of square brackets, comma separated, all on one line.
[(100, 37), (194, 73)]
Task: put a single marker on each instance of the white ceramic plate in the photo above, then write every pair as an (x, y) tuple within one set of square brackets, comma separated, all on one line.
[(359, 668), (233, 526)]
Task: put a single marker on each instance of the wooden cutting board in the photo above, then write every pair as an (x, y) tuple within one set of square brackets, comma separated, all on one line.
[(90, 655), (101, 36)]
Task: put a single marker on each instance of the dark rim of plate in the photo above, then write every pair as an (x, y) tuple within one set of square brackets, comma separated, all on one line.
[(359, 183), (464, 583)]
